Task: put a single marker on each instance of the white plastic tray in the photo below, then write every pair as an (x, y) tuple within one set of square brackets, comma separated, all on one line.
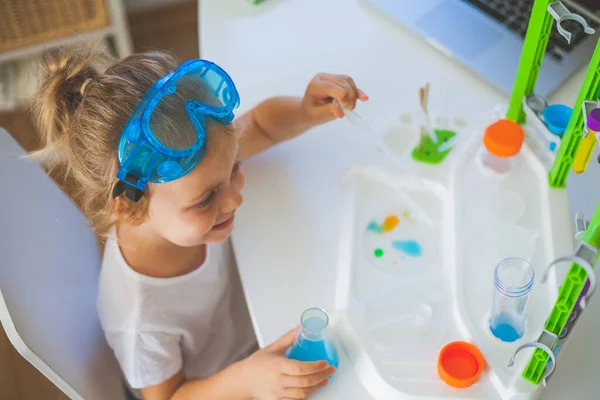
[(395, 313)]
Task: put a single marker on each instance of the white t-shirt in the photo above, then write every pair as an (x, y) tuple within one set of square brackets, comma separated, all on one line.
[(156, 326)]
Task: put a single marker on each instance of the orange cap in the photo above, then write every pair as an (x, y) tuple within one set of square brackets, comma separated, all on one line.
[(460, 364), (504, 138)]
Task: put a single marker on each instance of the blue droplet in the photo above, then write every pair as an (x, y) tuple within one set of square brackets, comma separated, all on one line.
[(373, 227), (552, 146), (409, 247)]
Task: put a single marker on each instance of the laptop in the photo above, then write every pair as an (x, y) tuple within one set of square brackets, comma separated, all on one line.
[(487, 36)]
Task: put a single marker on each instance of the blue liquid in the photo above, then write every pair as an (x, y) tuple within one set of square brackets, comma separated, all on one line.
[(373, 227), (409, 247), (503, 329), (314, 350), (308, 350)]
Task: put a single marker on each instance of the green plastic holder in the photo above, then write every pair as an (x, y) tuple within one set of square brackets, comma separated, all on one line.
[(534, 49), (568, 294), (427, 151), (571, 139), (532, 56)]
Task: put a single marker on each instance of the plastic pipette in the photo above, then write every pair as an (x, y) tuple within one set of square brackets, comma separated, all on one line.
[(373, 136)]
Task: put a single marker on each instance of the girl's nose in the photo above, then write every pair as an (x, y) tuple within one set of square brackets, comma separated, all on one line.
[(233, 199)]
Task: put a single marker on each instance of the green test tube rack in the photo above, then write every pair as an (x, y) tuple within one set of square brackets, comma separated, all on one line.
[(534, 49), (568, 295), (571, 139), (532, 56)]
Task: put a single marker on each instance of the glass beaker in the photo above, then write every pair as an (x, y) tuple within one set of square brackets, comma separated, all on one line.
[(513, 280), (312, 342)]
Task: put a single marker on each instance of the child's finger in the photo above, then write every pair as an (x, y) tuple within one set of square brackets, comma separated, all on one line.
[(293, 367), (351, 82), (362, 95), (327, 111), (285, 341), (357, 92), (303, 393), (349, 87), (303, 381), (327, 88), (336, 108)]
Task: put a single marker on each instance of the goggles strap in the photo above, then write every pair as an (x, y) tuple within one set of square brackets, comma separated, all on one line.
[(131, 192)]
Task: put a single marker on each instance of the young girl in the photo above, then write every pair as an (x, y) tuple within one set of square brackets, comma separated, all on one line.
[(156, 155)]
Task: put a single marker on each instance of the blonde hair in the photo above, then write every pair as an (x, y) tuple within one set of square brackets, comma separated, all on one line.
[(81, 111)]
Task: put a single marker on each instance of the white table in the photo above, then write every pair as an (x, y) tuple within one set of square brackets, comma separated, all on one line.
[(286, 236)]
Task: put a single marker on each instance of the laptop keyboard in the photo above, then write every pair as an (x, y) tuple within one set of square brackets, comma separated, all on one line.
[(514, 14)]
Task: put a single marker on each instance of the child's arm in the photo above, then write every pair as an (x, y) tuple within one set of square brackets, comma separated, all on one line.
[(283, 118), (265, 374)]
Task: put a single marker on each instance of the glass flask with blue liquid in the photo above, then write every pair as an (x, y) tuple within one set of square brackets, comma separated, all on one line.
[(312, 342), (513, 280)]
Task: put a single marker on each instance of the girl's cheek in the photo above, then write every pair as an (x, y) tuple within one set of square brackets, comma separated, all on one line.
[(202, 223)]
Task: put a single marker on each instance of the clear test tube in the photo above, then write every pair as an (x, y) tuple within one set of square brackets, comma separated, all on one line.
[(513, 280), (588, 143)]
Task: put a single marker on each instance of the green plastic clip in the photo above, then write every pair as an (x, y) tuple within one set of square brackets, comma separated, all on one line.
[(569, 292)]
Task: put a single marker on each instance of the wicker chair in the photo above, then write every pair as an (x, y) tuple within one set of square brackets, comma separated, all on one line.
[(28, 27)]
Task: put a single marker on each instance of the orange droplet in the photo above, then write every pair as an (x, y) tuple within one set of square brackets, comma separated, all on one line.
[(390, 223)]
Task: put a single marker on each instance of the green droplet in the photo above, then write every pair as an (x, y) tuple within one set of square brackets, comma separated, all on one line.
[(378, 252)]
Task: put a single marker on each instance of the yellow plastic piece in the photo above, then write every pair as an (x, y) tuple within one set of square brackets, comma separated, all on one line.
[(584, 152)]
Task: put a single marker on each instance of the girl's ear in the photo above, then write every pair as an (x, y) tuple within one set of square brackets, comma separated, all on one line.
[(121, 209), (127, 211)]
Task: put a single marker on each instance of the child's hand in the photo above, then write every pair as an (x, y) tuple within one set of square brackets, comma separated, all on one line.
[(269, 375), (326, 94)]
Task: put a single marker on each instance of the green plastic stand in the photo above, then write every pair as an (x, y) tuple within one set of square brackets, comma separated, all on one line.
[(571, 139), (534, 48), (563, 307)]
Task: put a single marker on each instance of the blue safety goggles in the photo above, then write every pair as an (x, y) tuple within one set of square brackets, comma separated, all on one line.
[(165, 137)]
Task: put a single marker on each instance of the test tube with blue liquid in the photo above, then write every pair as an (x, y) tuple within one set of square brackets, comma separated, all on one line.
[(312, 342), (513, 280)]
